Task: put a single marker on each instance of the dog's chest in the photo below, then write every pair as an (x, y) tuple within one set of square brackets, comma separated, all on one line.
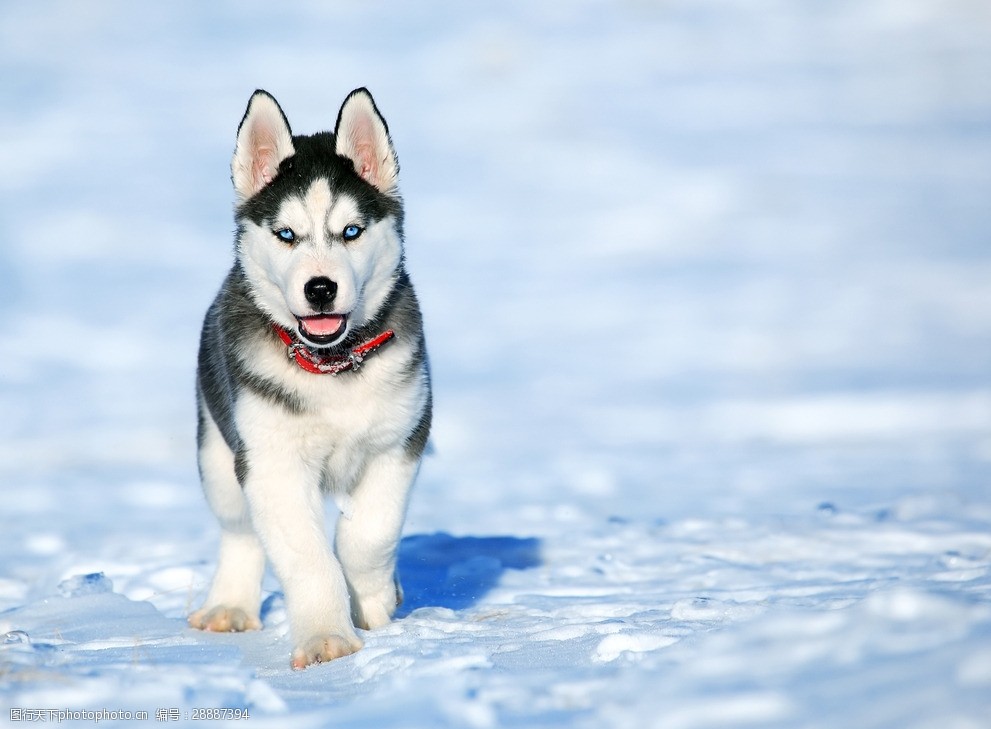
[(334, 424), (376, 406), (351, 419), (351, 406)]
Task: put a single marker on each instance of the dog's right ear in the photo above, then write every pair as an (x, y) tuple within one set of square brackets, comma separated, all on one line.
[(263, 141)]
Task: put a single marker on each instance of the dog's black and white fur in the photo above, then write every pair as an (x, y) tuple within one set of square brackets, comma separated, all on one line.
[(319, 254)]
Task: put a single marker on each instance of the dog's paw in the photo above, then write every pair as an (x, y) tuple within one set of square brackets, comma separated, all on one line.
[(372, 615), (375, 611), (223, 619), (323, 648)]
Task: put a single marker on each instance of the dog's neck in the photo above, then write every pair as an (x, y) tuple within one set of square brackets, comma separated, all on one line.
[(312, 361)]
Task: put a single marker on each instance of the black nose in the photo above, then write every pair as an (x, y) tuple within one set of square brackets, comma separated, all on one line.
[(320, 291)]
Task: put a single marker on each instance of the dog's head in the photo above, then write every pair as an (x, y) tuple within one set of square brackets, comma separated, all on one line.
[(319, 217)]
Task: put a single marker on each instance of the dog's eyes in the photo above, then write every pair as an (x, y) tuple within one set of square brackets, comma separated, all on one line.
[(351, 232), (286, 234)]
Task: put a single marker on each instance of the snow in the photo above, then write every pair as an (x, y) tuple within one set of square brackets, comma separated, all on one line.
[(707, 294)]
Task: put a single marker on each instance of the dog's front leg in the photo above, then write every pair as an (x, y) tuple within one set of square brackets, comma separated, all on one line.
[(282, 486), (367, 538), (235, 594)]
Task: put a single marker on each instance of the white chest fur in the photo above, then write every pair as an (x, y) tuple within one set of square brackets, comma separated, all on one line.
[(342, 421)]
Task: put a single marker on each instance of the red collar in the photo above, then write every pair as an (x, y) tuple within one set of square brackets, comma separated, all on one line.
[(310, 361)]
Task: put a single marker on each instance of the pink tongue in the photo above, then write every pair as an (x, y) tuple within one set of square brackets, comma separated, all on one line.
[(322, 326)]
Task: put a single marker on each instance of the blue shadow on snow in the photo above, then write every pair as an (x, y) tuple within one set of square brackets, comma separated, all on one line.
[(439, 570)]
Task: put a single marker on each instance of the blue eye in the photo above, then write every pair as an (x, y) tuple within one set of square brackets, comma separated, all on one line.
[(351, 232), (286, 234)]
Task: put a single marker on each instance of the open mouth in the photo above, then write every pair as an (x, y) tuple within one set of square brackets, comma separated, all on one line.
[(323, 329)]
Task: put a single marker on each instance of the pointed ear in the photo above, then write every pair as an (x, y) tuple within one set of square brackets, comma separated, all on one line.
[(362, 136), (263, 141)]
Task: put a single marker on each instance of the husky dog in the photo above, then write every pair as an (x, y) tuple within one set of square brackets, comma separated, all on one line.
[(312, 380)]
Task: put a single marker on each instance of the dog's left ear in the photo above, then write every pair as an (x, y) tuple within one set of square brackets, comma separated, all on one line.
[(362, 136)]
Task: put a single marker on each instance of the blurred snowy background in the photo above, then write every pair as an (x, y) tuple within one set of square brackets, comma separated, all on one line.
[(708, 300)]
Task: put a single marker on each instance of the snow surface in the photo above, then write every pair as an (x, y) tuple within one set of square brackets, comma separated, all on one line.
[(708, 295)]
